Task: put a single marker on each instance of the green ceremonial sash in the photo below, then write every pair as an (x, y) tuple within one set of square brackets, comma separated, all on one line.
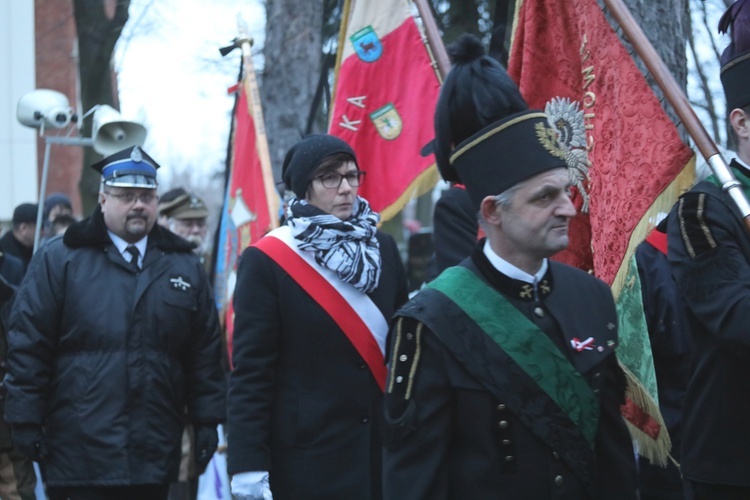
[(525, 343)]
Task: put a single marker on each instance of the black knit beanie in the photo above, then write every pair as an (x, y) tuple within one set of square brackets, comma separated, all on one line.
[(306, 156)]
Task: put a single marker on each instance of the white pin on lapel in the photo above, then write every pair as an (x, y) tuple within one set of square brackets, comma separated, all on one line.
[(178, 282), (580, 345)]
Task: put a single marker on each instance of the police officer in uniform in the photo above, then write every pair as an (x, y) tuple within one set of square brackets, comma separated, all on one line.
[(112, 335)]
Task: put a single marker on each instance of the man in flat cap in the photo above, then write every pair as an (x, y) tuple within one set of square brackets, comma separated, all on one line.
[(503, 381), (187, 216), (165, 201), (112, 335), (709, 251), (19, 241)]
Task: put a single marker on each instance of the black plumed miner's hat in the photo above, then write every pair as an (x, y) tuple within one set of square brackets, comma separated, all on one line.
[(486, 138)]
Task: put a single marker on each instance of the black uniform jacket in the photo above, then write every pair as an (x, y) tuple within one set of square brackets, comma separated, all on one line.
[(11, 268), (464, 421), (303, 404), (709, 250), (9, 245), (455, 229), (669, 333), (7, 290), (107, 359)]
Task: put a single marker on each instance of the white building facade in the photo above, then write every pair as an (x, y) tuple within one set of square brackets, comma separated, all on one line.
[(18, 146)]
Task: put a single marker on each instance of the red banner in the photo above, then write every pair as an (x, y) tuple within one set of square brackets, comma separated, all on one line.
[(251, 203), (626, 158), (384, 102), (626, 161)]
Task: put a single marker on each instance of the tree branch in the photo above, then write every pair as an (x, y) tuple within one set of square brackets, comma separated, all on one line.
[(709, 106)]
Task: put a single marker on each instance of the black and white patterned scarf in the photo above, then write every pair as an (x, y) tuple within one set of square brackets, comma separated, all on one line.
[(348, 248)]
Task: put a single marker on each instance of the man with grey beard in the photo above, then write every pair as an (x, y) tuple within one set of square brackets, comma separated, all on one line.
[(187, 216)]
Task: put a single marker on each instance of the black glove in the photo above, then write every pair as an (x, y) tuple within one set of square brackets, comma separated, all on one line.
[(206, 442), (27, 439)]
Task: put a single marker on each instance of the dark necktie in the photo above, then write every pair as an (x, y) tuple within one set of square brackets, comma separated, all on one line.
[(133, 251)]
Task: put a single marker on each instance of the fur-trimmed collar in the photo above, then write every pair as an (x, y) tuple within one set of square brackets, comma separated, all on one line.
[(92, 232)]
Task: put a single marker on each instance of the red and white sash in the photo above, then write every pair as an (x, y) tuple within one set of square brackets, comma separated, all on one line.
[(353, 311)]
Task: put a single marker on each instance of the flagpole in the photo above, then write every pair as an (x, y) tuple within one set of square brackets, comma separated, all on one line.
[(677, 98), (261, 141), (434, 41), (340, 50)]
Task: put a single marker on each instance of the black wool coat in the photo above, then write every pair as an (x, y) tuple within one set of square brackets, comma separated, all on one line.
[(302, 402), (709, 251)]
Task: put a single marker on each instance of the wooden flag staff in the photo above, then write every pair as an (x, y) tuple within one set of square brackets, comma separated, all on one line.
[(434, 42), (682, 107), (261, 141)]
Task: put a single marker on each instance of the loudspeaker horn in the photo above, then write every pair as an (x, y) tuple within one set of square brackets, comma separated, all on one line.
[(111, 133)]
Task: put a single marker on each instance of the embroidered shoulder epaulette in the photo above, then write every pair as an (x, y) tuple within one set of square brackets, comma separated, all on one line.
[(695, 233), (407, 343), (400, 409)]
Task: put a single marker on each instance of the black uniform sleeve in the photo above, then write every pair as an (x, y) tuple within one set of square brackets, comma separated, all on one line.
[(417, 415), (32, 337), (256, 344), (710, 268)]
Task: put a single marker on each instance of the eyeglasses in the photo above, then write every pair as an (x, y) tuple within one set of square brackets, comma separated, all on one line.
[(333, 180), (129, 198)]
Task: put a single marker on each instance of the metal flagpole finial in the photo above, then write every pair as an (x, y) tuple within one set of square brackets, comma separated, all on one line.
[(242, 40), (243, 31)]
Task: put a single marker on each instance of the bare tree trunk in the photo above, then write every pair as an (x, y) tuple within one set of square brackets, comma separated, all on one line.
[(99, 25), (665, 23), (292, 69)]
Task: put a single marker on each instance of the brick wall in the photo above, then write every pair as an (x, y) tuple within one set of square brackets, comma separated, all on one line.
[(57, 69)]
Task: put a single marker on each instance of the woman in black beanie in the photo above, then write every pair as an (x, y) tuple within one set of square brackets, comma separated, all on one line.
[(312, 304)]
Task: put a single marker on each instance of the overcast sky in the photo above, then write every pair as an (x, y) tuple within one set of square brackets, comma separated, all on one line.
[(173, 80)]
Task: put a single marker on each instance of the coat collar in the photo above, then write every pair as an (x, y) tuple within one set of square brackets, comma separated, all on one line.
[(513, 288), (92, 232)]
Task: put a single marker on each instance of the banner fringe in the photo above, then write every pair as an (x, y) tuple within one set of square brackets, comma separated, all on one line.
[(662, 203), (655, 450)]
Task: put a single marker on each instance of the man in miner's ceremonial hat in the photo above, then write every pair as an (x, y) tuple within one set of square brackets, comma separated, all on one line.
[(709, 251), (503, 380)]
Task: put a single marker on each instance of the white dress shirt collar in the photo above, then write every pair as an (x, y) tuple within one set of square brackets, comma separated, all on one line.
[(122, 245), (512, 271)]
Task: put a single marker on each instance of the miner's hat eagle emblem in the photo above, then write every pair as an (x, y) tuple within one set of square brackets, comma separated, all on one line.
[(367, 44)]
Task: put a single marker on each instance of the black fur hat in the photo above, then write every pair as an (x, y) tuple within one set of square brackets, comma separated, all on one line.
[(485, 136), (476, 93)]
